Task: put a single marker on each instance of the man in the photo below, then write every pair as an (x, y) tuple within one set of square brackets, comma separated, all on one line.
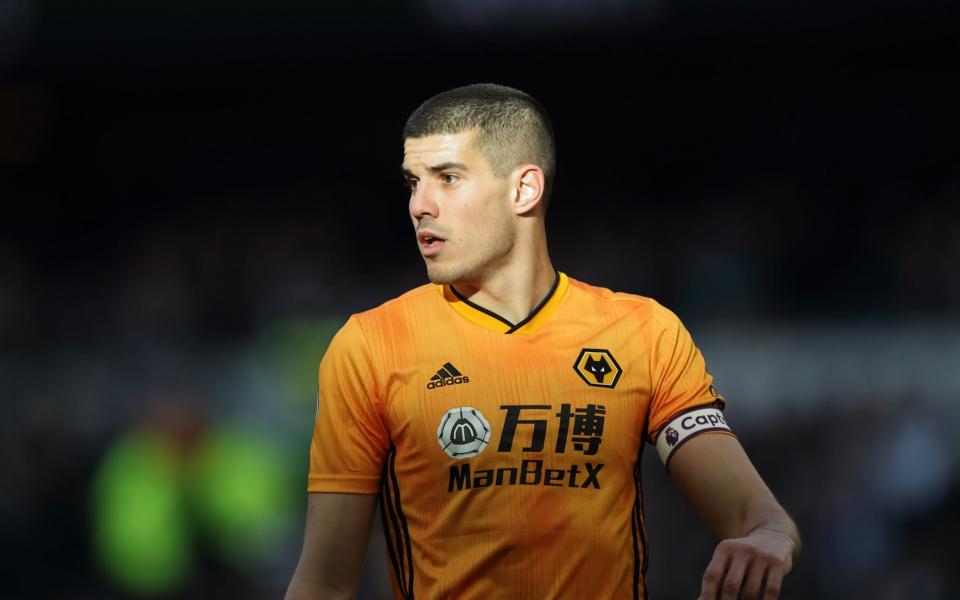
[(501, 411)]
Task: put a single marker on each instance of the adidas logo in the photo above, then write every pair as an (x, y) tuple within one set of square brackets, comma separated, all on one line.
[(447, 375)]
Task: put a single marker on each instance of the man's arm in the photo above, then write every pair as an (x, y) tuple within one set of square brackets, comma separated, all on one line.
[(334, 544), (759, 540)]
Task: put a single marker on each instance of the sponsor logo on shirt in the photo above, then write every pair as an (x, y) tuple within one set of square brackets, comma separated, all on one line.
[(464, 432)]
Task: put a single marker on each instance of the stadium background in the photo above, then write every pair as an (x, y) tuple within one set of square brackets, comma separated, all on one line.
[(196, 194)]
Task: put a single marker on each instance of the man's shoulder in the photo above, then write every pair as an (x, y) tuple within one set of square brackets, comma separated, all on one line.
[(422, 294), (389, 323), (598, 293), (644, 307), (408, 306)]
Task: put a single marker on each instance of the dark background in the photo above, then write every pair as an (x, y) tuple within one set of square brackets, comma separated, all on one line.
[(196, 195)]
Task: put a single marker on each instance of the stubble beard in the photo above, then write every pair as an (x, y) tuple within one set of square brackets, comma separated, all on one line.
[(478, 265)]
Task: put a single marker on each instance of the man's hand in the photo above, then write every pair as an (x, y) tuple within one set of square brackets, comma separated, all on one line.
[(760, 540), (748, 566)]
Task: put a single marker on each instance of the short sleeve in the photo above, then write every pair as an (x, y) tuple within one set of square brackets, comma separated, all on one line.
[(350, 439), (680, 381)]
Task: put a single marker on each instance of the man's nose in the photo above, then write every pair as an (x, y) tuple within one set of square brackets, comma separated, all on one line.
[(422, 202)]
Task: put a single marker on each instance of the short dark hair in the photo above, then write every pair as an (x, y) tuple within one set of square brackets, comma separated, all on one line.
[(512, 127)]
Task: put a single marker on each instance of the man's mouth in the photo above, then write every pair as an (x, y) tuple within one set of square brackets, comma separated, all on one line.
[(428, 237), (430, 242)]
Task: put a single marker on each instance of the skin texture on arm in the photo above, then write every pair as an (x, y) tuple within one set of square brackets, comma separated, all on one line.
[(334, 544), (760, 542)]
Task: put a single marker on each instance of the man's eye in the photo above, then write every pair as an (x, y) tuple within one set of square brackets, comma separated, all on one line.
[(412, 184), (449, 178)]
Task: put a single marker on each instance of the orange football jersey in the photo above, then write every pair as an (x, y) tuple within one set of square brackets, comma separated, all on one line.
[(507, 456)]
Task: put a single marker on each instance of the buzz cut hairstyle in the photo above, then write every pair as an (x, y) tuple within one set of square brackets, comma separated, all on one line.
[(512, 127)]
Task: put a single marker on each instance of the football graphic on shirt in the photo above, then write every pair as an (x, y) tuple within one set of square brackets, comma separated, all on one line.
[(463, 432)]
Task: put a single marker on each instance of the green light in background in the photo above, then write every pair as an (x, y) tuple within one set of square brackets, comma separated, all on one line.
[(290, 350), (243, 497), (141, 536)]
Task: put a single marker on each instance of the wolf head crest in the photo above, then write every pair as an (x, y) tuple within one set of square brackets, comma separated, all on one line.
[(597, 367)]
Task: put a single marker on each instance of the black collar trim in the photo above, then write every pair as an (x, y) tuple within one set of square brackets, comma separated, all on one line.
[(513, 327)]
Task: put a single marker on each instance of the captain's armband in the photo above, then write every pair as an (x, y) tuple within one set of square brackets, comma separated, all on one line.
[(687, 425)]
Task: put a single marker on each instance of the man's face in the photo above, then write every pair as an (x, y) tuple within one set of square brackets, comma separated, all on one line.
[(459, 208)]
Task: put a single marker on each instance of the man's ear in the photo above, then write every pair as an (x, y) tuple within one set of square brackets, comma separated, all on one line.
[(529, 187)]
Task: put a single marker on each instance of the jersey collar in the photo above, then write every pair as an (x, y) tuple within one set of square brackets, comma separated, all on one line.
[(496, 323)]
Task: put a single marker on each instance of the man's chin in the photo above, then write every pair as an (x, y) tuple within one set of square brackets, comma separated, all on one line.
[(442, 276), (439, 279)]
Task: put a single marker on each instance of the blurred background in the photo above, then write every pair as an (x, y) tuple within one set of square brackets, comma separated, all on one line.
[(197, 194)]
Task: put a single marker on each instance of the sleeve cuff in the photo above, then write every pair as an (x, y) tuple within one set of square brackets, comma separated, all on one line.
[(349, 484)]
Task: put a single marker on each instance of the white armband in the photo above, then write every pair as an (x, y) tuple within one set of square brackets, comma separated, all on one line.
[(685, 426)]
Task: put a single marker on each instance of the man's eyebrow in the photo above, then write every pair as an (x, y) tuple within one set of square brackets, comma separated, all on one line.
[(437, 168), (447, 165)]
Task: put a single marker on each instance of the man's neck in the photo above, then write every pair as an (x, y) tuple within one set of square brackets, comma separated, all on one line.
[(512, 294)]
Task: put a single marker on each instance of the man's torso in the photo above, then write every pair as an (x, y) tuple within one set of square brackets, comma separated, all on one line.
[(513, 462)]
